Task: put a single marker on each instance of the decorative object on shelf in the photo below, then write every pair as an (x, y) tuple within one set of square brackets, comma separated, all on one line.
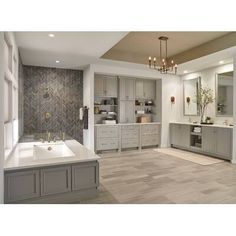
[(188, 99), (203, 98), (172, 100), (166, 66), (96, 110)]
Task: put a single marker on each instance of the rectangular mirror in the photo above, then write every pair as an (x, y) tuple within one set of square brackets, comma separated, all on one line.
[(191, 87), (224, 94)]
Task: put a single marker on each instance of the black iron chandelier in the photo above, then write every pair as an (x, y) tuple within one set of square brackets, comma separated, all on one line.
[(166, 65)]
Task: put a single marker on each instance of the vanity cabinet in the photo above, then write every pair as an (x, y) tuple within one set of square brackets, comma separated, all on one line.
[(126, 88), (217, 141), (55, 180), (145, 89), (127, 112), (21, 185), (105, 86), (180, 135)]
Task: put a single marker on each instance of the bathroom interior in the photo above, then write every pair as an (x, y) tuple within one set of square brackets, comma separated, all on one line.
[(67, 127)]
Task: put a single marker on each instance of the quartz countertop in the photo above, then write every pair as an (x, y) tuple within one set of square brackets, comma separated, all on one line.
[(198, 124), (22, 157), (128, 124)]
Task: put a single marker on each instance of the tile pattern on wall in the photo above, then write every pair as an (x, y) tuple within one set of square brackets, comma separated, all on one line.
[(58, 92)]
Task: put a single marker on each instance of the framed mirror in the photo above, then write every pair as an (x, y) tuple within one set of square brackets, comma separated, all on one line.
[(191, 87), (224, 94)]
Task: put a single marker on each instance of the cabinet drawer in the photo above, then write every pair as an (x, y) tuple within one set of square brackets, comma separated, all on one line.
[(129, 131), (128, 143), (107, 132), (107, 143), (150, 140), (150, 129), (21, 185), (85, 175), (55, 180)]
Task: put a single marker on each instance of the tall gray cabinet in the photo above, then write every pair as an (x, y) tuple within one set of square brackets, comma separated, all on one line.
[(126, 100)]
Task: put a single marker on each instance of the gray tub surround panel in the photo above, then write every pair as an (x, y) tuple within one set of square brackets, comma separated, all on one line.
[(58, 92), (55, 180), (123, 136), (214, 140)]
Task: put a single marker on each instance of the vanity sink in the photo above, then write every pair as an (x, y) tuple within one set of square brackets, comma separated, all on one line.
[(54, 150)]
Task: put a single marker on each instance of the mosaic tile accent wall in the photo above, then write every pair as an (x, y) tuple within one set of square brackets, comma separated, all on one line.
[(52, 98)]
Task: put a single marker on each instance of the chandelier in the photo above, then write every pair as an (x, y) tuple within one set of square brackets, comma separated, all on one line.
[(165, 65)]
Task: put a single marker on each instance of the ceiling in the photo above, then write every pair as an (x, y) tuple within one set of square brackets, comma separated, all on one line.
[(138, 46), (72, 49), (191, 50)]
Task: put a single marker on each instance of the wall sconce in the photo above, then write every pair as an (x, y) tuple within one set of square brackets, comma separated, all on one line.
[(188, 99), (172, 99)]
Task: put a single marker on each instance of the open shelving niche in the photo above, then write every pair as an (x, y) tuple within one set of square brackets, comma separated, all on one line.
[(196, 137)]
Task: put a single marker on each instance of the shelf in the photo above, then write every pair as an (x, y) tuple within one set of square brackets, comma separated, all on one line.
[(106, 105), (145, 105), (195, 133)]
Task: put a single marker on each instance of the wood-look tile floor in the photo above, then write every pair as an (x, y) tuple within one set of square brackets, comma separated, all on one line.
[(152, 177)]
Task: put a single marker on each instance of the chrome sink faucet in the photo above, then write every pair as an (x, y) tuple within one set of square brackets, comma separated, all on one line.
[(49, 137)]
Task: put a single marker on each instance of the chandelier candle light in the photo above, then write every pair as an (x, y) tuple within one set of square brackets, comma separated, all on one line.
[(166, 66)]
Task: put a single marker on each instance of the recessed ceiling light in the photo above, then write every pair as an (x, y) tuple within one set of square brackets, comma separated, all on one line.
[(51, 35), (57, 61), (185, 71), (221, 62)]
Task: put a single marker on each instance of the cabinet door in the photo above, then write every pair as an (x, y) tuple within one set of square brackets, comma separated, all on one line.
[(149, 89), (85, 176), (126, 89), (110, 89), (175, 134), (184, 139), (129, 89), (209, 139), (55, 180), (139, 88), (224, 142), (99, 87), (21, 185), (127, 111)]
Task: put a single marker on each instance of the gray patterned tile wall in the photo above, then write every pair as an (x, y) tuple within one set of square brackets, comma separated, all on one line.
[(57, 93)]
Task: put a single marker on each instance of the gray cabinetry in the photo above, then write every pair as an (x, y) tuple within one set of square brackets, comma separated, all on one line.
[(126, 88), (150, 135), (107, 137), (145, 89), (105, 86), (54, 184), (55, 180), (180, 135), (85, 175), (127, 112), (130, 136), (217, 141), (21, 185)]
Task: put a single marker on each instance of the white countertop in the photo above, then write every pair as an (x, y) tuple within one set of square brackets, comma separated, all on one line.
[(22, 157), (198, 124), (129, 124)]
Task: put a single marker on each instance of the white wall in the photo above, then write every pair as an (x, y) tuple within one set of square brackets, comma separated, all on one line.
[(1, 118), (208, 77), (170, 87)]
